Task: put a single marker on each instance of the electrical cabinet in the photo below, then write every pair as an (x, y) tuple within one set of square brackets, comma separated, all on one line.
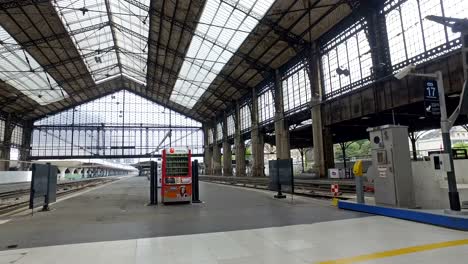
[(176, 175), (392, 166)]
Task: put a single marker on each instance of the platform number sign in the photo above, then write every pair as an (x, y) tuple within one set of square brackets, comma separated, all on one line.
[(431, 92), (431, 98)]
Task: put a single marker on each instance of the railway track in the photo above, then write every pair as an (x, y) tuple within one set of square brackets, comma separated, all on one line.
[(313, 188), (12, 194), (16, 199)]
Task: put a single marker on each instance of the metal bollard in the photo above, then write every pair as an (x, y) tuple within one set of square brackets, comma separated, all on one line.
[(195, 183), (153, 183), (357, 170)]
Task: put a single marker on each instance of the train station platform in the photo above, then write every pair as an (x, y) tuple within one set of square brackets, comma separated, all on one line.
[(113, 224)]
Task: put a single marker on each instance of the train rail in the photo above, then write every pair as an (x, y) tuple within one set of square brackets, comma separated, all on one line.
[(12, 200), (317, 188)]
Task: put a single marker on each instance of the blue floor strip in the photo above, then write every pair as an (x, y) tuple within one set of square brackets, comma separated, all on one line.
[(448, 221)]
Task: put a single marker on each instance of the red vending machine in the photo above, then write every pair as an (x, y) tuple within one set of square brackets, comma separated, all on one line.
[(176, 175)]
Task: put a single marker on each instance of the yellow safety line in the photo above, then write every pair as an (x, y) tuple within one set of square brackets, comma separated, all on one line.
[(396, 252)]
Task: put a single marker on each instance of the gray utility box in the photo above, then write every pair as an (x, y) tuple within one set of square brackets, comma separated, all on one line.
[(392, 166)]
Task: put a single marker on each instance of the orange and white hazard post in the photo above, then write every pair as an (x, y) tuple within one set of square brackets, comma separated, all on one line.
[(335, 190)]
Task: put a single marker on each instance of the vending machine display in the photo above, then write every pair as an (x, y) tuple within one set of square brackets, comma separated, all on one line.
[(176, 175)]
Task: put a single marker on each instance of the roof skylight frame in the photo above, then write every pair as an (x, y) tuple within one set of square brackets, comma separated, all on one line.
[(20, 70), (124, 14), (138, 22), (216, 29), (90, 43)]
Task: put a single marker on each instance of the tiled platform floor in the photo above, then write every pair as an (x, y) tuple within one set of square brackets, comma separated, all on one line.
[(307, 243), (234, 225)]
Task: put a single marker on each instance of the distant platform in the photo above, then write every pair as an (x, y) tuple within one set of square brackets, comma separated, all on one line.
[(9, 187)]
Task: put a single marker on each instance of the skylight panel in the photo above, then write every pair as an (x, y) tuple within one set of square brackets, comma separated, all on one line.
[(126, 22), (20, 70), (96, 45), (133, 48), (220, 32)]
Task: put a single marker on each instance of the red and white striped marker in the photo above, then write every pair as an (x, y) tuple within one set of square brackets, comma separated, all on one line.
[(335, 189)]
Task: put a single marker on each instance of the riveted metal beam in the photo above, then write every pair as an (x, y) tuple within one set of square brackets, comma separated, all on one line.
[(76, 58), (36, 42), (20, 3), (114, 38)]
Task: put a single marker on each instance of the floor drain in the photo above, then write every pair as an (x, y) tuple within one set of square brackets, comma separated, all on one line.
[(12, 246)]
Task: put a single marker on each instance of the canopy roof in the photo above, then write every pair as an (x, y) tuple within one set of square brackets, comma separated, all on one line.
[(196, 57)]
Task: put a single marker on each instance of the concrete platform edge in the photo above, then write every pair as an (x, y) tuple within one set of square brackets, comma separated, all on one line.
[(448, 221)]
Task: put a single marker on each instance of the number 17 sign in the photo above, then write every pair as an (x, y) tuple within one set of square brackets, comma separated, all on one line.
[(431, 97)]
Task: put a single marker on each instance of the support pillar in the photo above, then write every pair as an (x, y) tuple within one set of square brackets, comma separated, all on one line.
[(6, 146), (25, 150), (62, 173), (317, 137), (328, 151), (227, 152), (239, 144), (378, 39), (413, 138), (281, 127), (313, 63), (207, 151), (72, 172), (216, 161), (258, 143), (464, 36)]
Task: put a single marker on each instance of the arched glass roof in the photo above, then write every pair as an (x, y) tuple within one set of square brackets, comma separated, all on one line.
[(110, 36), (220, 32), (20, 70)]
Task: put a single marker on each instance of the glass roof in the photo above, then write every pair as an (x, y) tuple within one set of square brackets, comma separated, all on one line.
[(220, 32), (116, 43), (133, 50), (90, 25), (20, 70)]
